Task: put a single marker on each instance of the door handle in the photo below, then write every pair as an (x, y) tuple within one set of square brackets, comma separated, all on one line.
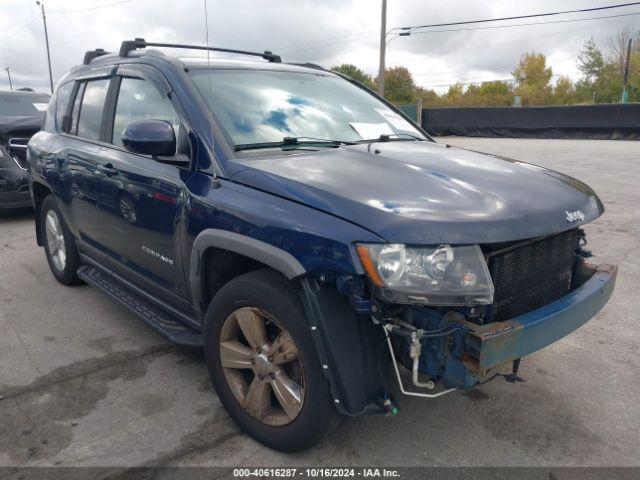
[(108, 169)]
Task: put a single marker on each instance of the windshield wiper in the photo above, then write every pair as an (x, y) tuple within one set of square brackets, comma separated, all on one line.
[(394, 137), (292, 143)]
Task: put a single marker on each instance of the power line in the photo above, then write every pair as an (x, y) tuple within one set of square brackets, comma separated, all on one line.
[(573, 20), (547, 14), (366, 33)]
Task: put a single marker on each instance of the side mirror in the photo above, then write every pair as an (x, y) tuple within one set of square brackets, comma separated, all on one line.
[(150, 137)]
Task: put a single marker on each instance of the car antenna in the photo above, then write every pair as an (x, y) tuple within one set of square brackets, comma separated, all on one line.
[(206, 30)]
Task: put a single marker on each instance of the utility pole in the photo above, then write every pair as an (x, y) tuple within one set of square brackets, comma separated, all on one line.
[(46, 38), (9, 74), (383, 47), (625, 93)]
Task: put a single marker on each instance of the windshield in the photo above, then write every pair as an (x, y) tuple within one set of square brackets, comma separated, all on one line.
[(23, 104), (256, 106)]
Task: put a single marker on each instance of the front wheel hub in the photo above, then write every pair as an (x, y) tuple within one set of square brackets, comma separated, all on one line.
[(262, 366)]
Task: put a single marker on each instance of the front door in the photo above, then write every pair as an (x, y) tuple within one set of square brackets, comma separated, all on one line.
[(140, 201)]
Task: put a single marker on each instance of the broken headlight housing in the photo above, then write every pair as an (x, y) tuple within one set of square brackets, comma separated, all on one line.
[(440, 275)]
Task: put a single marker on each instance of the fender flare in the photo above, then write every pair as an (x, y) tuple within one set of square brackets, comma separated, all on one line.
[(258, 250)]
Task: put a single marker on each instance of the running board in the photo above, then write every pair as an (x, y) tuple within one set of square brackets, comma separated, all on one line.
[(160, 320)]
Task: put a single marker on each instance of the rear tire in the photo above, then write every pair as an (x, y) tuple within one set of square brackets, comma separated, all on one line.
[(297, 410), (59, 244)]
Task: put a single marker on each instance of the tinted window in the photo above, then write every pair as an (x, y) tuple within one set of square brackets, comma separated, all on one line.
[(90, 120), (140, 100), (76, 110), (62, 102)]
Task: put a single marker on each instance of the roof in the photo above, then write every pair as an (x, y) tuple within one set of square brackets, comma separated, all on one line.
[(227, 63)]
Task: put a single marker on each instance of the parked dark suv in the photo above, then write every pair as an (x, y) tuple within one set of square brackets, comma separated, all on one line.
[(318, 244), (21, 115)]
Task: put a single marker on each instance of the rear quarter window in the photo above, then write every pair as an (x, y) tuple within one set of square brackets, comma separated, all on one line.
[(57, 108), (62, 103)]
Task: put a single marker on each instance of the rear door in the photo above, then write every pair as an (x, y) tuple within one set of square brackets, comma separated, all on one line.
[(140, 201), (77, 156)]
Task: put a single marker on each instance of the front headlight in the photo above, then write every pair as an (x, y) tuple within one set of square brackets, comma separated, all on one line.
[(441, 275)]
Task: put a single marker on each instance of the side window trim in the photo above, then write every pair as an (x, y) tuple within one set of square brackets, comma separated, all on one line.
[(158, 81)]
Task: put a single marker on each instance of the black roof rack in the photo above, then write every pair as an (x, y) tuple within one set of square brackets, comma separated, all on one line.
[(91, 54), (131, 45), (315, 66)]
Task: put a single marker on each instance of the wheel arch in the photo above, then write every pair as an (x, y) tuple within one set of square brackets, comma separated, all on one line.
[(258, 254)]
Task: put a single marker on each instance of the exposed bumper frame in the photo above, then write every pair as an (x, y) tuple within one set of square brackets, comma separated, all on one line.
[(500, 342)]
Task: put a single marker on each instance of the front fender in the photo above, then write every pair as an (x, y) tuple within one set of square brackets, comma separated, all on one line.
[(262, 252), (287, 236)]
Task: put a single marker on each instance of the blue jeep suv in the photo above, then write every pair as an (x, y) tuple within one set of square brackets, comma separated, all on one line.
[(325, 252)]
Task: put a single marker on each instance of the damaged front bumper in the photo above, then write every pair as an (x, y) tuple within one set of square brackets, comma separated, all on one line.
[(475, 353), (501, 342)]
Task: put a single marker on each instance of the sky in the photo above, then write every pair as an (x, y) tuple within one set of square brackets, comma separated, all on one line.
[(327, 32)]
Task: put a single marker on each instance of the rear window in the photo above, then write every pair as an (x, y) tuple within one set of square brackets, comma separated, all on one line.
[(91, 108), (21, 104)]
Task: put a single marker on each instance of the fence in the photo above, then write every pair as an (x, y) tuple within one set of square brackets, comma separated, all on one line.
[(607, 121)]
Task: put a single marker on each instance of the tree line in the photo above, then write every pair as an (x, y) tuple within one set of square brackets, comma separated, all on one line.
[(601, 81)]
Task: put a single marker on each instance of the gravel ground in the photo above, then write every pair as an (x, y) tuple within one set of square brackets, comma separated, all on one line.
[(84, 383)]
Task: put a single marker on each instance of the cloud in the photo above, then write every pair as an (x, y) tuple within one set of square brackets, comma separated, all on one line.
[(327, 32)]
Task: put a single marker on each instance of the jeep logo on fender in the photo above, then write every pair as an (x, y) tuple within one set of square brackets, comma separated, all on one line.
[(574, 216)]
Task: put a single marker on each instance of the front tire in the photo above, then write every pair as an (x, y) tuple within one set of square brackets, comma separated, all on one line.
[(263, 363), (59, 244)]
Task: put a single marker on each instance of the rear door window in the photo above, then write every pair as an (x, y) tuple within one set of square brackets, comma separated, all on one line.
[(92, 108)]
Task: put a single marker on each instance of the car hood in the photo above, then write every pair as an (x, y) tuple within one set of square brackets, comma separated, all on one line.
[(426, 193)]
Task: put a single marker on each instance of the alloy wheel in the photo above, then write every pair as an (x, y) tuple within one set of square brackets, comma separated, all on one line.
[(262, 366), (55, 240)]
